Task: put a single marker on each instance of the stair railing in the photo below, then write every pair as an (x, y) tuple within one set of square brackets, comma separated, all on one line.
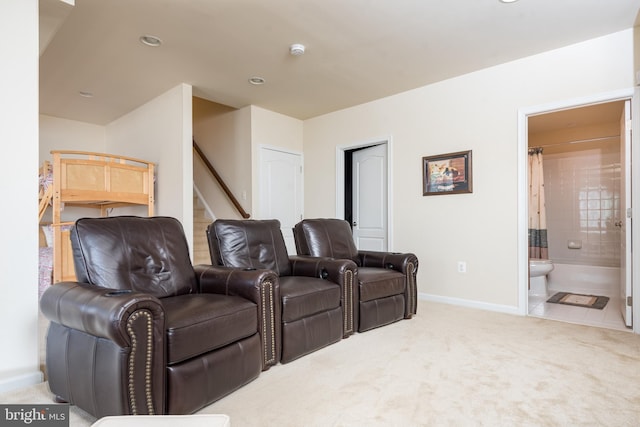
[(220, 181)]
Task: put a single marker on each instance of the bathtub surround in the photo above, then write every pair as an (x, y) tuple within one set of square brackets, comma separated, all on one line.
[(583, 193), (583, 279)]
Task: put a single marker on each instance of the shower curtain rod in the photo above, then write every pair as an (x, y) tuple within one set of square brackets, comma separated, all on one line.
[(579, 141)]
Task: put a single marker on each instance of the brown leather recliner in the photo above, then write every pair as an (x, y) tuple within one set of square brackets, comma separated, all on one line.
[(386, 289), (144, 332), (316, 294)]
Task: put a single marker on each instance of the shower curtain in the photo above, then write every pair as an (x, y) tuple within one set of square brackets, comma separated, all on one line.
[(538, 247)]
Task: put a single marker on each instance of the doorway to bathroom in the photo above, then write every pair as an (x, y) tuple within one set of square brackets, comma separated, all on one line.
[(587, 192)]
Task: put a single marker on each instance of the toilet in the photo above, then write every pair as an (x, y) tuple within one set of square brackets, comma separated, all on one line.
[(538, 270)]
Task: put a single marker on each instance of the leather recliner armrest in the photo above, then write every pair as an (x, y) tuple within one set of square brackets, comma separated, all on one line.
[(132, 367), (405, 263), (97, 311), (393, 260), (257, 285)]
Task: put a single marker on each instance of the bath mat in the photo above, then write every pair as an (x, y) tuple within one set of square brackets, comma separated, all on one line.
[(580, 300)]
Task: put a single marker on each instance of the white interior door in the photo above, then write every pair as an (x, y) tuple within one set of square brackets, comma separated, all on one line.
[(281, 191), (370, 198), (625, 223)]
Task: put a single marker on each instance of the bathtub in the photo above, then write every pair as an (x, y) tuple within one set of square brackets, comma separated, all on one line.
[(583, 278)]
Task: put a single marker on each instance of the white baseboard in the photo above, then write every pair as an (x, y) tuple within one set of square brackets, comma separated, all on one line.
[(20, 381), (470, 303)]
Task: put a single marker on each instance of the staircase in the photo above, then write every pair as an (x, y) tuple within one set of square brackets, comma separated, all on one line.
[(200, 222), (202, 219)]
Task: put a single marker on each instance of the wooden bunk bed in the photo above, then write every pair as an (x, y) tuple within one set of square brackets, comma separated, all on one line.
[(89, 180)]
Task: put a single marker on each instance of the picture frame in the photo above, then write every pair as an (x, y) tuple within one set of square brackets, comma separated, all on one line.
[(449, 173)]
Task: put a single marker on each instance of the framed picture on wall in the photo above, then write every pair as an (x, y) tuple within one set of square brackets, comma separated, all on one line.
[(447, 174)]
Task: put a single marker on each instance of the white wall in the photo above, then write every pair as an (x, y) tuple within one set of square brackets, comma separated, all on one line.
[(225, 138), (19, 364), (271, 130), (479, 112), (161, 131), (275, 130), (232, 141), (64, 134)]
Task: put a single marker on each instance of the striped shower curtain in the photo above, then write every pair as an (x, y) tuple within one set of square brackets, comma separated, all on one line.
[(538, 247)]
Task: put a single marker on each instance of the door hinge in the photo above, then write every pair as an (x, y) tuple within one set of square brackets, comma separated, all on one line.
[(629, 213), (629, 301)]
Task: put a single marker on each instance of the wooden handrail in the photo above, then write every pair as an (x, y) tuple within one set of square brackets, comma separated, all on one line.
[(218, 178)]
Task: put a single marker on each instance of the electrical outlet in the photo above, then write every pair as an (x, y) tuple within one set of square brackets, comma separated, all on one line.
[(462, 267)]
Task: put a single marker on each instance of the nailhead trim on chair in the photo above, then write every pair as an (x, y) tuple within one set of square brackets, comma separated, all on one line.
[(147, 370), (267, 301), (348, 299), (411, 284)]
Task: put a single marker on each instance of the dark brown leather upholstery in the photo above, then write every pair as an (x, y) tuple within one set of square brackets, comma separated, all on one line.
[(144, 332), (316, 295), (386, 281)]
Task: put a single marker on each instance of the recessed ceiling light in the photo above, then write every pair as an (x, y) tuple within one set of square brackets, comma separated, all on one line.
[(85, 94), (508, 1), (152, 41), (256, 80)]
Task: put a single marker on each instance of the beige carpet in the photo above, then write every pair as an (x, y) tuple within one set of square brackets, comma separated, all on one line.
[(449, 366)]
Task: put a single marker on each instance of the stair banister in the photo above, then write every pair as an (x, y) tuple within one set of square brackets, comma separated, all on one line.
[(218, 178)]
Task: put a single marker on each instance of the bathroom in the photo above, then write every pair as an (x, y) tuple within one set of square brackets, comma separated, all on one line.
[(581, 188)]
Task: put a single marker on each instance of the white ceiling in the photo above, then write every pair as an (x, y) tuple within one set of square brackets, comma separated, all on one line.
[(356, 50)]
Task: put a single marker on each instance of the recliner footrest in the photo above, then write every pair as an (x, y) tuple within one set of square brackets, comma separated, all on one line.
[(381, 312), (306, 335)]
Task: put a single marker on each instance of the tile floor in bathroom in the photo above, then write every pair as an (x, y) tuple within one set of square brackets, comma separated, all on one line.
[(609, 317)]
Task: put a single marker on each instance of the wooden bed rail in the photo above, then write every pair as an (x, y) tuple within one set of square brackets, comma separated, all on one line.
[(101, 156), (218, 178)]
